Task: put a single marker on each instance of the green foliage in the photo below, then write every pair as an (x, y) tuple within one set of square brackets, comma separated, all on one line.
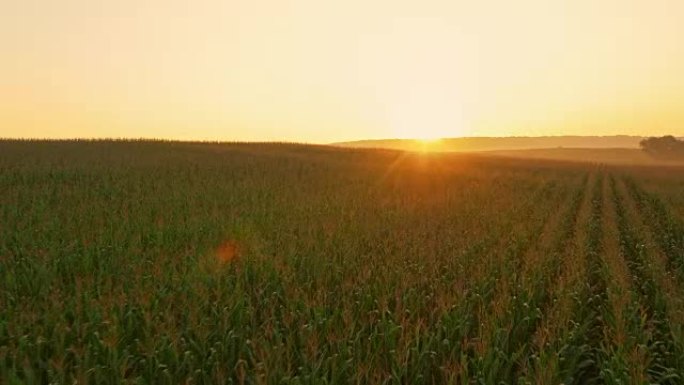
[(344, 266)]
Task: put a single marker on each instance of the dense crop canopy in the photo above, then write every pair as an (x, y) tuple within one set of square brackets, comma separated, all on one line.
[(152, 262)]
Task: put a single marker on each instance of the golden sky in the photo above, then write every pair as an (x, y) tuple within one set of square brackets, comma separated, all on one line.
[(323, 71)]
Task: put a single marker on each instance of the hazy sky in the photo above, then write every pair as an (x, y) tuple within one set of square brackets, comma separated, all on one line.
[(320, 71)]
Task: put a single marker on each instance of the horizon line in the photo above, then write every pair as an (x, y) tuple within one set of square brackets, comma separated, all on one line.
[(229, 141)]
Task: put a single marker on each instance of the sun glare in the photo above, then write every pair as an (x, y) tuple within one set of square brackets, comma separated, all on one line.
[(428, 135), (428, 139), (427, 143)]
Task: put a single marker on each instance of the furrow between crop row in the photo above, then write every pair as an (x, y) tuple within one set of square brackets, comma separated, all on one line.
[(652, 331), (557, 344), (585, 367), (668, 287), (668, 230), (616, 346)]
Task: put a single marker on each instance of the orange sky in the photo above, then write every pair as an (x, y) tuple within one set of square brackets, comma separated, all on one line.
[(323, 71)]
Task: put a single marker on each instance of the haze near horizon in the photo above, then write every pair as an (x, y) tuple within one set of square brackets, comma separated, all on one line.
[(312, 71)]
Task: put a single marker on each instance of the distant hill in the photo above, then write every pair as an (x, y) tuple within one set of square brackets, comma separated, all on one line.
[(500, 143)]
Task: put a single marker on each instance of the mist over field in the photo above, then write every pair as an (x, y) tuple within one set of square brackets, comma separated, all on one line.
[(500, 143), (625, 150)]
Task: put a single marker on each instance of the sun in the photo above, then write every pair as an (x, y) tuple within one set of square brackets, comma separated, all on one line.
[(427, 143)]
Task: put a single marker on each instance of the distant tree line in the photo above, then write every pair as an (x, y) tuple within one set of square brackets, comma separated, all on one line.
[(664, 147)]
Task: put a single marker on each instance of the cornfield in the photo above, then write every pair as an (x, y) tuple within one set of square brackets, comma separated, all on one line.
[(183, 263)]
